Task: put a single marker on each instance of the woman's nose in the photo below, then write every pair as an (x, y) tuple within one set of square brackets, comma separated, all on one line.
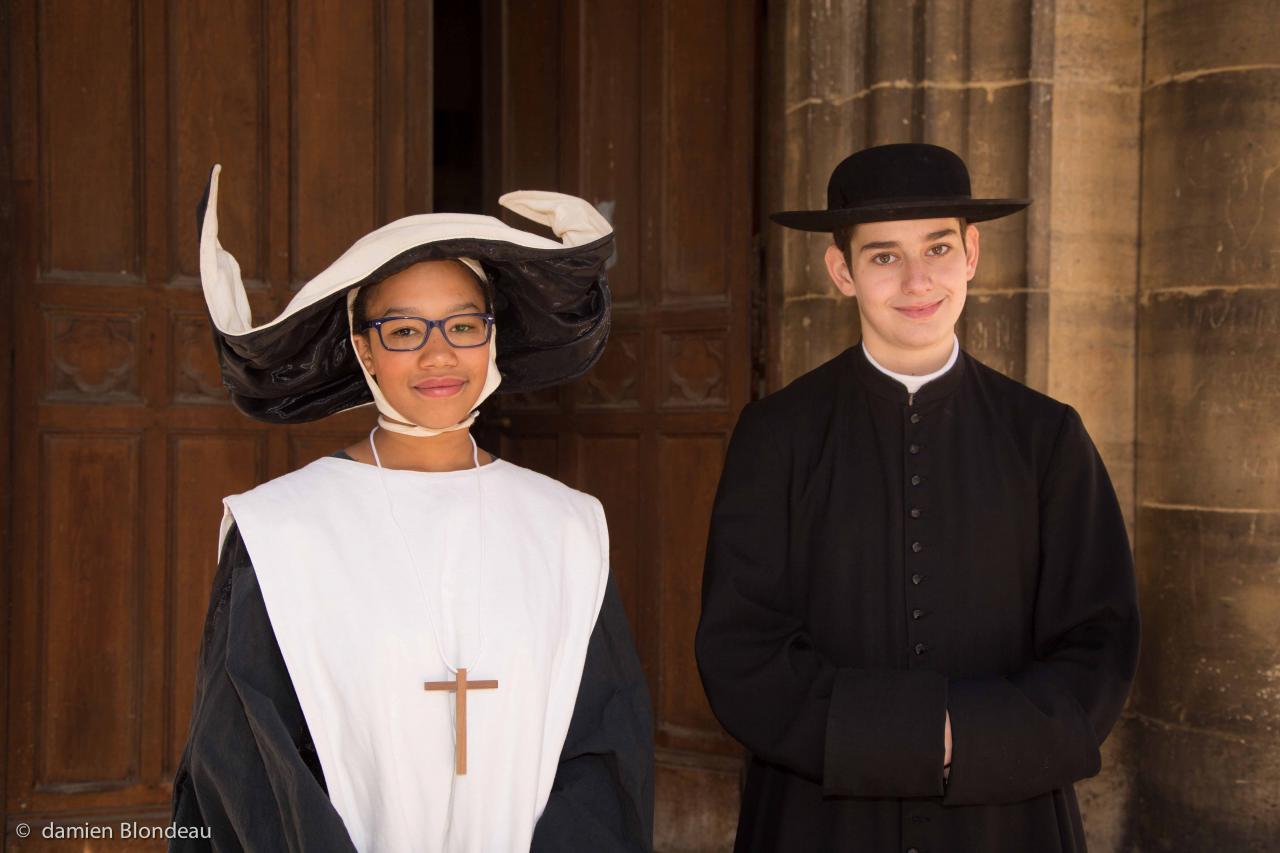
[(436, 349)]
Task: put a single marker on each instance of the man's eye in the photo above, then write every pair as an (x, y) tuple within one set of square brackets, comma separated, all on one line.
[(883, 259), (940, 249)]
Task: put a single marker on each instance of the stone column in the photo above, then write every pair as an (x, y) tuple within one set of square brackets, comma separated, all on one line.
[(1207, 708), (1082, 264)]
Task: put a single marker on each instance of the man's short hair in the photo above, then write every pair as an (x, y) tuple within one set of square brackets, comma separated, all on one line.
[(843, 238)]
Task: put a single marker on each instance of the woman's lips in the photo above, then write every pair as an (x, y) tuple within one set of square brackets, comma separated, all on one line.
[(921, 312), (439, 387)]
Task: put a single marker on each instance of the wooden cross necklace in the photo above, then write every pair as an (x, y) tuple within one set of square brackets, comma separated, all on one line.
[(460, 684)]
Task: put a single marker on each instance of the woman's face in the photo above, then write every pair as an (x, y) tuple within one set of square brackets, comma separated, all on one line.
[(435, 386)]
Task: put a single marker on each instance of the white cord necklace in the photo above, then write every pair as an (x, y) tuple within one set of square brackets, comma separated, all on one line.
[(413, 564)]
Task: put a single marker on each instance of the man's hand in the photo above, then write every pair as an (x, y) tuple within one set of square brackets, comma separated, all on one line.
[(946, 747)]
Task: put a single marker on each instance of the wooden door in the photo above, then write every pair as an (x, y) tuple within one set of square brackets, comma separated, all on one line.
[(123, 442), (646, 110)]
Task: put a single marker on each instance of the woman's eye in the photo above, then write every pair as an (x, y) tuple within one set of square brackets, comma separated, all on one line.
[(461, 327), (404, 332)]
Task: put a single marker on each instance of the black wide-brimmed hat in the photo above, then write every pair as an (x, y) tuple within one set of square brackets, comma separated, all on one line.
[(550, 299), (904, 181)]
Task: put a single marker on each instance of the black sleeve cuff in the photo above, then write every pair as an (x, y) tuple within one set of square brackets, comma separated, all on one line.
[(1006, 748), (885, 734)]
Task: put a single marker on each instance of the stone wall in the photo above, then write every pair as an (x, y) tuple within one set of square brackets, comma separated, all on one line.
[(1206, 711), (1140, 287)]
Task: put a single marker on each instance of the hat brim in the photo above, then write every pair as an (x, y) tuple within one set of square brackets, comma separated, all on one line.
[(971, 209), (553, 310)]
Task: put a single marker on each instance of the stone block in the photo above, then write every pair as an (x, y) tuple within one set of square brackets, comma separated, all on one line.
[(1187, 36), (815, 330), (834, 70), (1208, 393), (1105, 799), (1210, 182), (804, 268), (998, 145), (891, 36), (1098, 41), (695, 808), (1209, 586), (1091, 360), (1095, 163), (1196, 791), (992, 329), (1000, 32)]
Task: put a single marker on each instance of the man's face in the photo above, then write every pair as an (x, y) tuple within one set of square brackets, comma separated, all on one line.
[(910, 278)]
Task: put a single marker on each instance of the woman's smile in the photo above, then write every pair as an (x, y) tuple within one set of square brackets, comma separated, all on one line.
[(440, 386)]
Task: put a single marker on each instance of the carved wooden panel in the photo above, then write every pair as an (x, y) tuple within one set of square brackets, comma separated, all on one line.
[(335, 120), (547, 399), (203, 469), (90, 123), (89, 591), (217, 73), (194, 374), (115, 110), (694, 369), (536, 452), (610, 135), (616, 381), (531, 104), (91, 357), (307, 446), (689, 470), (610, 470), (698, 72), (654, 109)]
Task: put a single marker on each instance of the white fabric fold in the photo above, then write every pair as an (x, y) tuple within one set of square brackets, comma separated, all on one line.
[(570, 218)]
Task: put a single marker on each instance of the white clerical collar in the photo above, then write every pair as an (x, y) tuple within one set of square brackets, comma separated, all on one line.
[(915, 383)]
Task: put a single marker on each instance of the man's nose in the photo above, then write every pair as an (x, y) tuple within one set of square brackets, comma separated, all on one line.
[(916, 278)]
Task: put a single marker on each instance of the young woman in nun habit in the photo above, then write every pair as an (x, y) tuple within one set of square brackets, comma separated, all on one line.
[(412, 645), (918, 608)]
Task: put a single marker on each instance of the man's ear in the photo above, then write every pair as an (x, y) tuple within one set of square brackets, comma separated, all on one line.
[(839, 270), (971, 245)]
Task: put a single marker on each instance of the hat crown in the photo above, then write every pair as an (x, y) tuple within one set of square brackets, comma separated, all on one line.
[(901, 171)]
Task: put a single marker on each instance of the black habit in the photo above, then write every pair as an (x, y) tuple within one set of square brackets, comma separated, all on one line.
[(879, 558), (252, 775)]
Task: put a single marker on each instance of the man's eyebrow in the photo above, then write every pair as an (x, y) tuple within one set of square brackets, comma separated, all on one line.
[(893, 244)]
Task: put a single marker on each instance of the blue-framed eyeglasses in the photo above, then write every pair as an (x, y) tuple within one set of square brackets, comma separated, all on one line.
[(406, 334)]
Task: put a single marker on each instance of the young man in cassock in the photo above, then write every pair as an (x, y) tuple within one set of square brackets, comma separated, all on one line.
[(918, 609), (412, 645)]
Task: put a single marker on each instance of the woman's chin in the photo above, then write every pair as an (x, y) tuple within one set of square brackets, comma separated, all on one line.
[(432, 417)]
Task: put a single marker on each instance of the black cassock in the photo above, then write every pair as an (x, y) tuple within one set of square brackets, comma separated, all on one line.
[(251, 773), (877, 559)]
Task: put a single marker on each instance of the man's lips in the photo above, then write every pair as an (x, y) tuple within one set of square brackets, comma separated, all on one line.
[(444, 387), (920, 312)]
